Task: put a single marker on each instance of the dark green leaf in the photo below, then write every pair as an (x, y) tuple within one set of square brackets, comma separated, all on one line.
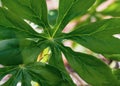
[(9, 23), (99, 36), (18, 22), (3, 20), (69, 9), (16, 49), (5, 33), (33, 10), (19, 40), (38, 72), (89, 68), (31, 50), (52, 15), (56, 57), (40, 8), (9, 52), (57, 61), (9, 47)]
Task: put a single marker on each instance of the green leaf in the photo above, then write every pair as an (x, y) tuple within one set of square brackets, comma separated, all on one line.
[(112, 9), (28, 41), (57, 61), (113, 56), (40, 8), (23, 51), (20, 46), (90, 69), (52, 16), (32, 10), (69, 9), (117, 73), (38, 72), (14, 25), (21, 9), (18, 22), (9, 47), (98, 2), (9, 52), (99, 36), (5, 33), (17, 25), (31, 50), (56, 57), (16, 49), (3, 20)]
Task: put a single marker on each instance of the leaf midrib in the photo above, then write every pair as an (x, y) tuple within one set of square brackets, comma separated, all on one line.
[(57, 26)]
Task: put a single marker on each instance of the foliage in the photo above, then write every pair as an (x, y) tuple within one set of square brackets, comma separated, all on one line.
[(113, 9), (21, 44)]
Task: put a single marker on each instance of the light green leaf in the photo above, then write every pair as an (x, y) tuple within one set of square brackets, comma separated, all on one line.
[(90, 69), (99, 36), (69, 9), (38, 72)]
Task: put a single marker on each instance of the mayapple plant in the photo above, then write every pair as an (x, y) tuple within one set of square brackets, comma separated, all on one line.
[(21, 44)]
